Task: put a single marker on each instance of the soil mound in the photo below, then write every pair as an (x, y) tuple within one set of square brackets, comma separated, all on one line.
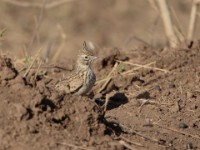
[(154, 104), (35, 116)]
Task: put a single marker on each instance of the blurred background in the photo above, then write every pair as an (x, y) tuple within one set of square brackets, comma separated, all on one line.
[(60, 26)]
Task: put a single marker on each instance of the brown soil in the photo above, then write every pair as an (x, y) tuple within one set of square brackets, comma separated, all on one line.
[(156, 107), (34, 116)]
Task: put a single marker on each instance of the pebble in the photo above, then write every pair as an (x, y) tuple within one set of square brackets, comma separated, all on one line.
[(183, 126), (189, 146), (157, 87), (172, 85), (161, 142)]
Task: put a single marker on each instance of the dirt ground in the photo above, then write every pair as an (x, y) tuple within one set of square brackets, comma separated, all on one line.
[(155, 107), (153, 91)]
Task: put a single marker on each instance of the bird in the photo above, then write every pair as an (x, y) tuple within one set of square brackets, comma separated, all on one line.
[(82, 79)]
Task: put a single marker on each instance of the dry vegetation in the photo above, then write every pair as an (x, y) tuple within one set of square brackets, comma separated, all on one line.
[(146, 94)]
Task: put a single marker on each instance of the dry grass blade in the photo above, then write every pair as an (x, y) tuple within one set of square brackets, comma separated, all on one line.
[(107, 100), (38, 22), (143, 66), (165, 14), (127, 145), (179, 34), (75, 147), (129, 72), (192, 22), (177, 131), (126, 43), (106, 103), (38, 4), (134, 143), (31, 65), (63, 36), (153, 5), (130, 130), (108, 78), (178, 29), (147, 137), (40, 63)]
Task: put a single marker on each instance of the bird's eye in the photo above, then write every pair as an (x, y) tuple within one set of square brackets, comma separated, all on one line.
[(86, 57)]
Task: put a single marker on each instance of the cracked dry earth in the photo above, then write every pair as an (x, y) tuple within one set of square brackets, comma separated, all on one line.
[(156, 107)]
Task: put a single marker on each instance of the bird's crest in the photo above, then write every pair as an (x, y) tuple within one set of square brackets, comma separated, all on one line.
[(87, 49)]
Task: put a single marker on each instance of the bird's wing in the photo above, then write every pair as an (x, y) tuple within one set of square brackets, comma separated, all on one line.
[(71, 83)]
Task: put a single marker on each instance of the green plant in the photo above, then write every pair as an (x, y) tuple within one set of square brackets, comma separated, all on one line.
[(2, 32), (27, 60), (120, 67)]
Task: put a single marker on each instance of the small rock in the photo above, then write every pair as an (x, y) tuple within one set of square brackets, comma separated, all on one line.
[(194, 125), (191, 95), (172, 85), (193, 107), (157, 87), (33, 129), (161, 142), (4, 82), (183, 126), (189, 146)]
